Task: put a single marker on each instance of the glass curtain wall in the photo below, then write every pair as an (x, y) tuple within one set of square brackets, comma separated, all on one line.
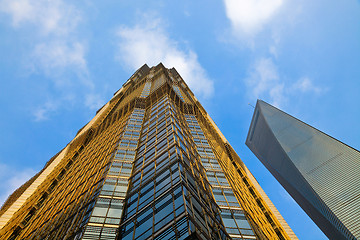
[(232, 215), (169, 196)]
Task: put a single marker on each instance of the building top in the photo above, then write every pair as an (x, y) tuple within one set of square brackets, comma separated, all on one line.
[(143, 96), (321, 173)]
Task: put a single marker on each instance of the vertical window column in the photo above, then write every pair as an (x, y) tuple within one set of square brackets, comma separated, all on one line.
[(232, 215), (106, 215), (146, 91)]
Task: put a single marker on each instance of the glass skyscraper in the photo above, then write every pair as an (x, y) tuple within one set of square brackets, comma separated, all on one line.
[(321, 173), (150, 165)]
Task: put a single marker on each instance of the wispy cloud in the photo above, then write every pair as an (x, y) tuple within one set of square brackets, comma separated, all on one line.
[(53, 35), (262, 25), (57, 50), (249, 16), (49, 17), (42, 113), (148, 42), (94, 101), (305, 84), (11, 179), (55, 57), (265, 82)]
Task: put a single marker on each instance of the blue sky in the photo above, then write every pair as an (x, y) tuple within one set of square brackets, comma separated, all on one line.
[(61, 60)]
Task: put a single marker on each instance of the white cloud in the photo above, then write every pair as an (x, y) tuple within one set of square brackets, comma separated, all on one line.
[(56, 57), (147, 42), (94, 101), (277, 94), (54, 34), (56, 50), (49, 17), (11, 179), (273, 51), (42, 113), (306, 85), (53, 25), (249, 16), (264, 81)]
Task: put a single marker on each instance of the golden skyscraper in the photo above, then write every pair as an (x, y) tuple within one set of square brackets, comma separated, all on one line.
[(150, 165)]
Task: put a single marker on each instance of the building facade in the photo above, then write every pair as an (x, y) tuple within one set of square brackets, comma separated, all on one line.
[(150, 165), (321, 173)]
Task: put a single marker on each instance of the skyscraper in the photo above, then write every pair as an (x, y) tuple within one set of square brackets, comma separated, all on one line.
[(321, 173), (150, 165)]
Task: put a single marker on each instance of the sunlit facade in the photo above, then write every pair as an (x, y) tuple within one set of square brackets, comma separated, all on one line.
[(150, 165), (321, 173)]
